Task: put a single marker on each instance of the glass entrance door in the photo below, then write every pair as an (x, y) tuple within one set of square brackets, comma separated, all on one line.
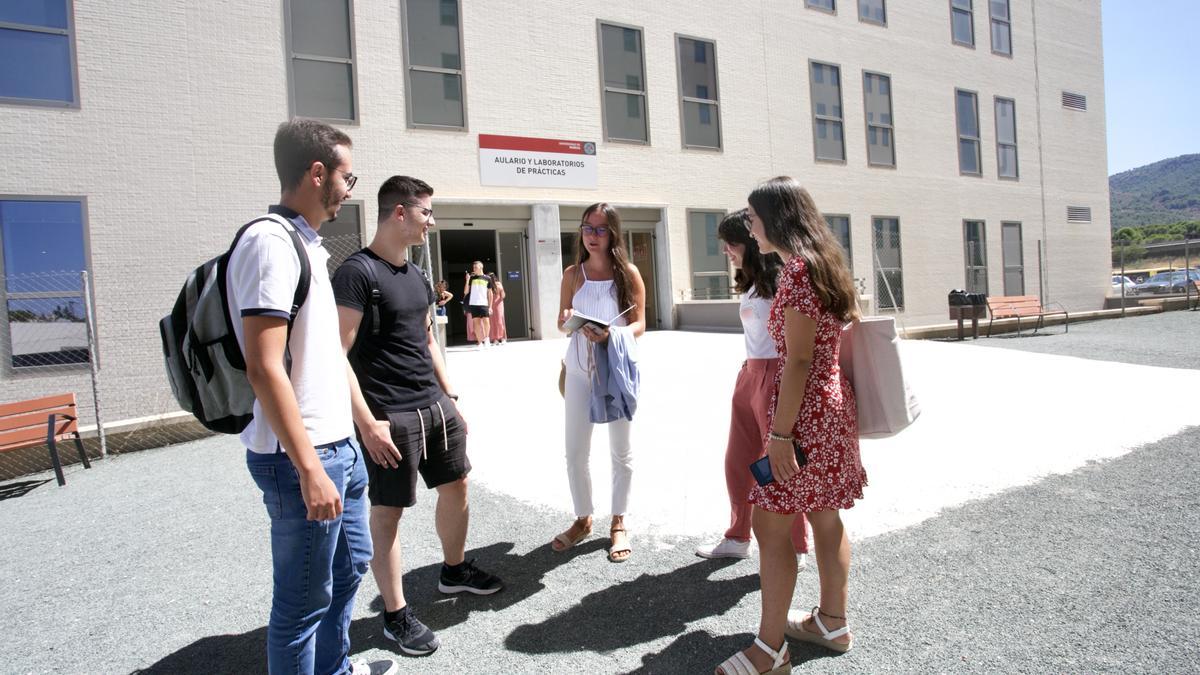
[(641, 254), (510, 261)]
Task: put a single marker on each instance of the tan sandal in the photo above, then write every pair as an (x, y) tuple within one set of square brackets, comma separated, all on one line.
[(566, 541), (627, 549), (740, 664), (795, 629)]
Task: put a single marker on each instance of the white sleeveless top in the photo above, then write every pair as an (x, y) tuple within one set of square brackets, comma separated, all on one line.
[(594, 298), (754, 312)]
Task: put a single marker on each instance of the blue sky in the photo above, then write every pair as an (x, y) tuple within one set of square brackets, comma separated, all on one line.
[(1151, 80)]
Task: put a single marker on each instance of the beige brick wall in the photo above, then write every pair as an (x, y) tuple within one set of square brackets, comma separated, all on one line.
[(172, 142)]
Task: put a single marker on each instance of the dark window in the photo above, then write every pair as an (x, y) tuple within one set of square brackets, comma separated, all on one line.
[(889, 269), (44, 256), (322, 59), (433, 49), (622, 72), (37, 52), (826, 89), (699, 107), (975, 255), (962, 22)]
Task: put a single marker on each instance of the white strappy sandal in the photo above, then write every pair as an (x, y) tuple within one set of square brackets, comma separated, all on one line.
[(739, 663), (795, 630)]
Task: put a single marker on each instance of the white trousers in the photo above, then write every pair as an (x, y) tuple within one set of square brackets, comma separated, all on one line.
[(579, 447)]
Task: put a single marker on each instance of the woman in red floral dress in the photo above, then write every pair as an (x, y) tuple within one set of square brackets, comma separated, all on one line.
[(813, 437)]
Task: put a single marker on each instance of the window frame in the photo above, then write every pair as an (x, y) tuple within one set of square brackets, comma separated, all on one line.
[(1006, 22), (808, 4), (849, 247), (878, 269), (884, 23), (7, 369), (960, 137), (971, 14), (867, 122), (409, 68), (1015, 144), (684, 99), (604, 88), (1004, 263), (69, 32), (692, 273), (812, 99), (291, 55), (967, 266)]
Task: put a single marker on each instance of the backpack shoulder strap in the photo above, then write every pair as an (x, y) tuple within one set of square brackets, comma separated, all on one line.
[(305, 281), (363, 262)]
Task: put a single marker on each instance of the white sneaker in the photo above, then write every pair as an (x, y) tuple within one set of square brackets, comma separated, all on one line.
[(726, 548), (386, 667)]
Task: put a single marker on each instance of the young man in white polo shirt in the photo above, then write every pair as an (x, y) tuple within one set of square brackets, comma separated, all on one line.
[(300, 445)]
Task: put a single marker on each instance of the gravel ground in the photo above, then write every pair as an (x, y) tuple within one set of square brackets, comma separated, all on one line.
[(1166, 339), (158, 562), (1088, 572)]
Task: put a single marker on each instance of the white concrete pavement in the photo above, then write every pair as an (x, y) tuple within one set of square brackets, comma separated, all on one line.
[(992, 419)]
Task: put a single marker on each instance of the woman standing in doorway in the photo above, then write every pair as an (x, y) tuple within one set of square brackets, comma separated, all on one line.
[(602, 283), (812, 440), (499, 330), (756, 279)]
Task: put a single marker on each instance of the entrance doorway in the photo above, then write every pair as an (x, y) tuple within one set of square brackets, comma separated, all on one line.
[(502, 253)]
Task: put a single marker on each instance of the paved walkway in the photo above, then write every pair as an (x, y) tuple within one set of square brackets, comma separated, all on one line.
[(1038, 544)]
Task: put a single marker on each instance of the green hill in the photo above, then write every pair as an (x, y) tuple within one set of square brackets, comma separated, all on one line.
[(1159, 193)]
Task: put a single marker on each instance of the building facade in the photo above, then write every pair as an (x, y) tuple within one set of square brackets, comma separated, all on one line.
[(950, 143)]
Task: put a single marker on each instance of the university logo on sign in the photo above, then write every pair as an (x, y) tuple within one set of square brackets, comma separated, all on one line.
[(536, 162)]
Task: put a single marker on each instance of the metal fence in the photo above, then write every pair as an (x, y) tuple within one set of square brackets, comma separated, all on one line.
[(48, 347)]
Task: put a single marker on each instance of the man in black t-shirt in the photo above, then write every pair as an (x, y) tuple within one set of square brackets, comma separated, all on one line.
[(411, 423)]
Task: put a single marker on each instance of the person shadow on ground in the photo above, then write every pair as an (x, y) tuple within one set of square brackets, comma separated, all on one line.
[(522, 575), (650, 607), (701, 652)]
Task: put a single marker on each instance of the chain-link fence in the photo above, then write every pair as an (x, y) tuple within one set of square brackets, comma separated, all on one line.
[(46, 349)]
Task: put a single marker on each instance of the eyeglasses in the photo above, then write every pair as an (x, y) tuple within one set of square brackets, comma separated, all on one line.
[(428, 213), (350, 178), (594, 231)]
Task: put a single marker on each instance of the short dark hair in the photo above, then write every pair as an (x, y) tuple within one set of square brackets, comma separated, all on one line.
[(400, 190), (300, 142)]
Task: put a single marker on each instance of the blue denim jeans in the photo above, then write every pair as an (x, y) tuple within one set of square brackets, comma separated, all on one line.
[(317, 565)]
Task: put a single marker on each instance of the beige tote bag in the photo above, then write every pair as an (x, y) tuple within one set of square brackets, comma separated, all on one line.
[(870, 358)]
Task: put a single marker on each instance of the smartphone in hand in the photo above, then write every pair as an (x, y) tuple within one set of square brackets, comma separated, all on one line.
[(761, 468)]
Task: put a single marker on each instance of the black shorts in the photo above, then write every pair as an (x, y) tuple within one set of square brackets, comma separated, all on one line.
[(479, 311), (439, 454)]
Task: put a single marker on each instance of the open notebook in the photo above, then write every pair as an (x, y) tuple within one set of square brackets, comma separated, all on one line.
[(579, 320)]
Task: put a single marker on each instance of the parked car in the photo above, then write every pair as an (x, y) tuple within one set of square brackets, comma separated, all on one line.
[(1168, 282), (1118, 281)]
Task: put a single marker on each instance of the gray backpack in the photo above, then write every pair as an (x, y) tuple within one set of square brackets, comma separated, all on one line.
[(205, 364)]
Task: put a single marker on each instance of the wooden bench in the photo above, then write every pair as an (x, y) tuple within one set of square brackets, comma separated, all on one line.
[(26, 424), (1023, 307)]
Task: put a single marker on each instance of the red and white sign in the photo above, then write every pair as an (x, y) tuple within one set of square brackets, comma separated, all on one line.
[(536, 162)]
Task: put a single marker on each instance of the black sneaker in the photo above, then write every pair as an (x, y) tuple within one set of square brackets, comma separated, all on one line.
[(413, 637), (468, 578)]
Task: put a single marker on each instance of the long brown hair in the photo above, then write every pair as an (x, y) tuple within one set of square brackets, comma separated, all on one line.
[(792, 223), (759, 270), (616, 251)]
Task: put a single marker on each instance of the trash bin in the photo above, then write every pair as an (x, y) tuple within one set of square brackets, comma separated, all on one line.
[(964, 305)]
